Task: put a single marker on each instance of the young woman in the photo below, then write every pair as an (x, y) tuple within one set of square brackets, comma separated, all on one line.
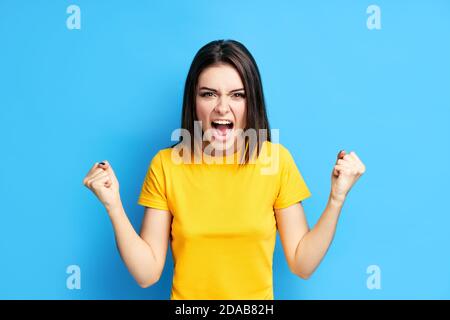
[(221, 213)]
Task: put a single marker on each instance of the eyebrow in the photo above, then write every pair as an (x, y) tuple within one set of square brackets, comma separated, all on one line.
[(214, 90)]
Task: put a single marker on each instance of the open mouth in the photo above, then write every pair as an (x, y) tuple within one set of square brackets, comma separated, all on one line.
[(222, 127)]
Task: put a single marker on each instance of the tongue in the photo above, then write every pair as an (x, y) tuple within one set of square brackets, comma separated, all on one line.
[(222, 128)]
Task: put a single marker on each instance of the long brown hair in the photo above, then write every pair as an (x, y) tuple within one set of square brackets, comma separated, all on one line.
[(237, 55)]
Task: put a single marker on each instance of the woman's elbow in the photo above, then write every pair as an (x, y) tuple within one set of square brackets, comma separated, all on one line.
[(304, 276), (148, 282)]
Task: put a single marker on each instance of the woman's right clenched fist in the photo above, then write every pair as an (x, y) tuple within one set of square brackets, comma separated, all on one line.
[(102, 181)]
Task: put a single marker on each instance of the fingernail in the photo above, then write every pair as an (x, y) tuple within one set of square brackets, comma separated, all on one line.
[(102, 163)]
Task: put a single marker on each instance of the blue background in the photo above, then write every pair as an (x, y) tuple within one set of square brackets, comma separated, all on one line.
[(113, 90)]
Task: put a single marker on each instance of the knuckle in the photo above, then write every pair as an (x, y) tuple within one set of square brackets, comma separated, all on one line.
[(95, 184)]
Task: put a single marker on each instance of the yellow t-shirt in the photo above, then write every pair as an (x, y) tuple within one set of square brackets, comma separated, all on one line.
[(224, 228)]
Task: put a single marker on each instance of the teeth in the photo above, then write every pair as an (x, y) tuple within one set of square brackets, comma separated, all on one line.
[(222, 121)]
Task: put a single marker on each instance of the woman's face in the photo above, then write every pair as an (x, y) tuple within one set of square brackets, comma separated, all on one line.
[(221, 105)]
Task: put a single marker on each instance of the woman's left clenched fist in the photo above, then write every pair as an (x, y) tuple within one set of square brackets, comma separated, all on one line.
[(346, 172)]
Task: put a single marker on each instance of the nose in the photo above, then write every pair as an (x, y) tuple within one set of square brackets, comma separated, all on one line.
[(222, 106)]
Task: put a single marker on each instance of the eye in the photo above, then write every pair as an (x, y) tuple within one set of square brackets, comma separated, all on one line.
[(207, 94), (239, 95)]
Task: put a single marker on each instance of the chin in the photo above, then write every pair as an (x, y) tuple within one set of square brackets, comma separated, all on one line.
[(222, 145)]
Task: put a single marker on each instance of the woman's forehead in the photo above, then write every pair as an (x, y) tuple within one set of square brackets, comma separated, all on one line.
[(222, 77)]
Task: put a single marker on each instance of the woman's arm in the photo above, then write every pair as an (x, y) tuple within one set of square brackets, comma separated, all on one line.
[(304, 249), (143, 255)]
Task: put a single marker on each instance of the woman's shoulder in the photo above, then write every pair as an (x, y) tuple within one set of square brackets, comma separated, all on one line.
[(163, 154), (275, 148), (278, 152), (169, 157)]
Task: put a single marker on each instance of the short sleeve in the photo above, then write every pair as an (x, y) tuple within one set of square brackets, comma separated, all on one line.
[(292, 188), (153, 192)]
